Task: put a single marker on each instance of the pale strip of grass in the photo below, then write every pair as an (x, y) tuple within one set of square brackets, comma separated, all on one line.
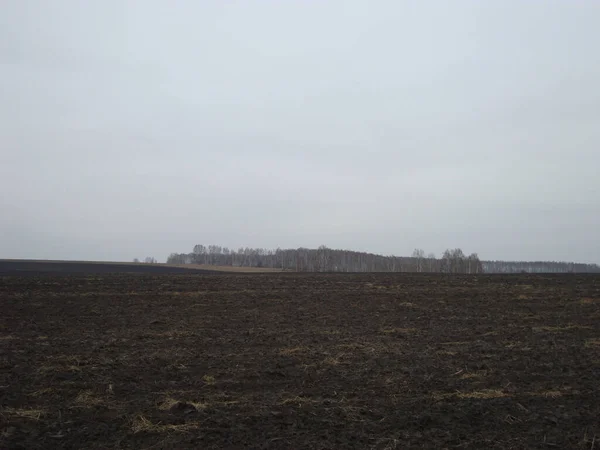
[(233, 269)]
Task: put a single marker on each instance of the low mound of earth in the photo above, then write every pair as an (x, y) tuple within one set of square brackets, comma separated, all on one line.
[(302, 361)]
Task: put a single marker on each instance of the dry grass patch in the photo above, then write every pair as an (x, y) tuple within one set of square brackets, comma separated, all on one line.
[(42, 392), (551, 394), (63, 361), (188, 294), (88, 399), (589, 300), (592, 343), (559, 329), (486, 393), (472, 375), (333, 360), (490, 333), (33, 414), (330, 332), (292, 351), (176, 366), (517, 345), (142, 424), (398, 330), (455, 343), (298, 401), (483, 394), (352, 346), (208, 379)]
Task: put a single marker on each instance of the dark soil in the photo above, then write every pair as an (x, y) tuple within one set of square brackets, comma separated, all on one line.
[(297, 361), (36, 268)]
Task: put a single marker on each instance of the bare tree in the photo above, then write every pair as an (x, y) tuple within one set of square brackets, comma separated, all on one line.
[(458, 261), (419, 256), (323, 256), (474, 264), (446, 262), (431, 262)]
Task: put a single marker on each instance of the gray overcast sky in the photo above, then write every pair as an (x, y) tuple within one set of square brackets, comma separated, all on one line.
[(139, 128)]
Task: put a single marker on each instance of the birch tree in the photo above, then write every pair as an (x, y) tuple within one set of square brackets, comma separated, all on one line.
[(419, 256)]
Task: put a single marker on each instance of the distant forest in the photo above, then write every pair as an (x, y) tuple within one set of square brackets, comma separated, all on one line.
[(324, 259)]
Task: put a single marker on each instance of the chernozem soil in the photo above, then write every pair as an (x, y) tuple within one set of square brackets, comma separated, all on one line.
[(298, 361)]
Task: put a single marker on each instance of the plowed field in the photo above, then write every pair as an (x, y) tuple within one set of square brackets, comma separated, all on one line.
[(298, 361)]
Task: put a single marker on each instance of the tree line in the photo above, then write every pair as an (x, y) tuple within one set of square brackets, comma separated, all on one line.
[(538, 267), (147, 260), (324, 259)]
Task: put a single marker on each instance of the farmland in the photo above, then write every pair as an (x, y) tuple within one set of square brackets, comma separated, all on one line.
[(288, 360)]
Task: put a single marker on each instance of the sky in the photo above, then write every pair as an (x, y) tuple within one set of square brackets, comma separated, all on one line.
[(143, 127)]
